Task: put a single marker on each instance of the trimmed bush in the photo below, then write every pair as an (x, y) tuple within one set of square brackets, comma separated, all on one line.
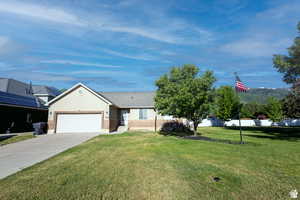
[(175, 128)]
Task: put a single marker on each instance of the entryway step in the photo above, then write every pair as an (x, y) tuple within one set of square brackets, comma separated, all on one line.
[(122, 129)]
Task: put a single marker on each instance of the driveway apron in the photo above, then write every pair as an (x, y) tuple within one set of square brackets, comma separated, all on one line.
[(17, 156)]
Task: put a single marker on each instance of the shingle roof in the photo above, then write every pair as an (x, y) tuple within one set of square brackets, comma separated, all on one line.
[(3, 84), (14, 87), (15, 92), (42, 89), (130, 99)]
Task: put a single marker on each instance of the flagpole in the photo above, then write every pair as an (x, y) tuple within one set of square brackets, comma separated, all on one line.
[(241, 135), (239, 115)]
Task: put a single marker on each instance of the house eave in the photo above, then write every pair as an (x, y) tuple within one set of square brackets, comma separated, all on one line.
[(136, 107), (20, 106), (42, 95), (73, 88)]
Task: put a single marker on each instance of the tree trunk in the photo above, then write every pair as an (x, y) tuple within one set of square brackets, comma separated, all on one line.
[(195, 127)]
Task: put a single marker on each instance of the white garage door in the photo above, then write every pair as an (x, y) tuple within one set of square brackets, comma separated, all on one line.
[(78, 123)]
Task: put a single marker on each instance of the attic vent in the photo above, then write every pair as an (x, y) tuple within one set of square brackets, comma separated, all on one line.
[(131, 97)]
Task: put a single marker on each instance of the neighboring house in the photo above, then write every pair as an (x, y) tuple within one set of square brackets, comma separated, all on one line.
[(45, 93), (19, 108), (80, 109), (15, 87)]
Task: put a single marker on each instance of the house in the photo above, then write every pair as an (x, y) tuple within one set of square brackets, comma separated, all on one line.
[(19, 108), (45, 93), (81, 109)]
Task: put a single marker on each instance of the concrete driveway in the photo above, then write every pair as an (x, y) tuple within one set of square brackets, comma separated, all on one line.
[(17, 156)]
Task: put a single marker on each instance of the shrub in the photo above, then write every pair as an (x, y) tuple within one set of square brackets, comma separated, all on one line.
[(274, 109), (253, 110), (175, 128)]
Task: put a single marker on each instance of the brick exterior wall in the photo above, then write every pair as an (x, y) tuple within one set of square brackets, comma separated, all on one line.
[(141, 123), (146, 124), (105, 124), (51, 124)]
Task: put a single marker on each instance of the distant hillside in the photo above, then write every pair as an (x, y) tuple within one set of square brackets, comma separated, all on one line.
[(260, 95)]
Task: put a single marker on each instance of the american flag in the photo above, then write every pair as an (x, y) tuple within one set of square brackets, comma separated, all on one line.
[(239, 85)]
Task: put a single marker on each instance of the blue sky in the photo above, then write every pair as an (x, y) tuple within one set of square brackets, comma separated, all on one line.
[(126, 45)]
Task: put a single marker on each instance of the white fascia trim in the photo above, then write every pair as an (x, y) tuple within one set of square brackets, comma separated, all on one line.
[(41, 94), (75, 86)]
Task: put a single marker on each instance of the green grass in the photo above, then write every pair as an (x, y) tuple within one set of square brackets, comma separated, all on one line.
[(16, 138), (151, 166)]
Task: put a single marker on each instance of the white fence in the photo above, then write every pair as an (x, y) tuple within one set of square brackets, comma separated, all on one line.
[(217, 122)]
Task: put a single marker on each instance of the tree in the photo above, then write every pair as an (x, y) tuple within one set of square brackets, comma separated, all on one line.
[(291, 103), (253, 110), (182, 93), (290, 65), (274, 109), (227, 103)]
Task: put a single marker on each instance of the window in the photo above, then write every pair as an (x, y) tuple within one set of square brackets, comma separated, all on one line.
[(142, 114)]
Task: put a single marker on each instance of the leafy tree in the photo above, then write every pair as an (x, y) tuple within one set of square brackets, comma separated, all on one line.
[(182, 93), (274, 109), (291, 105), (253, 110), (290, 65), (248, 110), (227, 103)]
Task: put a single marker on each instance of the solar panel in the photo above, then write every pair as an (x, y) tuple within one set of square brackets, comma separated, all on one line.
[(13, 99)]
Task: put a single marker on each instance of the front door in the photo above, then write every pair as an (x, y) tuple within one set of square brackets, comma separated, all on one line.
[(124, 117)]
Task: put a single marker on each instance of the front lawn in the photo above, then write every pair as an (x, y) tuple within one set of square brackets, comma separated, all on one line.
[(16, 138), (150, 166)]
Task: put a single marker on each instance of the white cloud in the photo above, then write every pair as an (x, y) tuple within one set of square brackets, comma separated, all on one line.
[(39, 12), (98, 72), (70, 62), (5, 67), (144, 32), (164, 29), (38, 76), (3, 41), (255, 47), (9, 47), (136, 57), (282, 12), (268, 32)]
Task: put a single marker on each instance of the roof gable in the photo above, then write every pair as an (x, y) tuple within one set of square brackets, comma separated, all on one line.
[(15, 87), (75, 87)]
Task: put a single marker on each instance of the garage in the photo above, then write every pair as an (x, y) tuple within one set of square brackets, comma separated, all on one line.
[(78, 123)]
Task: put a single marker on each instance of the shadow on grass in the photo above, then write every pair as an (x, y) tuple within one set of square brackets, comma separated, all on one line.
[(203, 138), (178, 134), (5, 137), (277, 133)]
